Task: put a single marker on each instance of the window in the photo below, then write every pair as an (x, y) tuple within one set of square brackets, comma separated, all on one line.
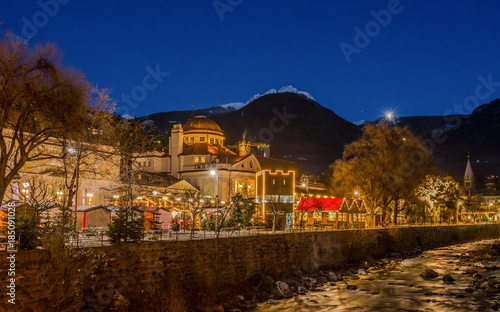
[(284, 182), (203, 159), (149, 163), (211, 141), (191, 139), (202, 139), (274, 181), (251, 164), (196, 159), (216, 141), (242, 165)]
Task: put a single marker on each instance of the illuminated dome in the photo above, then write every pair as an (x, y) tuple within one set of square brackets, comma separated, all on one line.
[(202, 123)]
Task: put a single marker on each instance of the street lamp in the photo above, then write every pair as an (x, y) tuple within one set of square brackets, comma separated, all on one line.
[(215, 172), (489, 208), (116, 199), (390, 116), (76, 152), (154, 198), (304, 179), (25, 191)]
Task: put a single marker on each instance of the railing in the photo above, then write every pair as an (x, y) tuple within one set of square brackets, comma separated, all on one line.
[(99, 237)]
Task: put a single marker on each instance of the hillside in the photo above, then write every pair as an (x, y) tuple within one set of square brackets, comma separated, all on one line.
[(301, 130), (296, 127)]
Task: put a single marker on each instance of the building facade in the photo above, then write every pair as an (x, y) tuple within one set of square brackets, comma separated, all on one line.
[(197, 153)]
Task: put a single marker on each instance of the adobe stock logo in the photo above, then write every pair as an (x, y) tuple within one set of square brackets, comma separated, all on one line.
[(363, 37), (49, 9), (139, 93), (223, 6), (277, 123)]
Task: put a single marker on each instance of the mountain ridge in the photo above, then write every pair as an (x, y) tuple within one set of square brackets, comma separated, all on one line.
[(302, 130)]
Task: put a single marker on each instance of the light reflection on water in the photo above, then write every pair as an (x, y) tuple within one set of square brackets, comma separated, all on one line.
[(400, 289)]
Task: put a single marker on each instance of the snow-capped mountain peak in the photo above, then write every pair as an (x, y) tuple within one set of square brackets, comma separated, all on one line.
[(296, 91), (238, 105)]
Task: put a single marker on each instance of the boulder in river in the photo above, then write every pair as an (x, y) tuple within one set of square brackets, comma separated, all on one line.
[(283, 289), (429, 273), (332, 277), (266, 282), (272, 301), (447, 278)]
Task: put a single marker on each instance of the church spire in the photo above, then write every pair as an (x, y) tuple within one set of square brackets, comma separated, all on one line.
[(468, 178), (191, 117)]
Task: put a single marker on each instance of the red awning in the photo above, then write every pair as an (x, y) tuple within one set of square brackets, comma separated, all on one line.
[(320, 204)]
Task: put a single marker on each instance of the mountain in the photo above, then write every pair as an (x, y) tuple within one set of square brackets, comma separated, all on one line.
[(454, 137), (296, 127), (301, 130)]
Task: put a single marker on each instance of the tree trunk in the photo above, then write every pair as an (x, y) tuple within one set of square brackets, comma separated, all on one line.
[(396, 209)]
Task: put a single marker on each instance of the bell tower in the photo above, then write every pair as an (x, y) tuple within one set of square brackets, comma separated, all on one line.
[(468, 178)]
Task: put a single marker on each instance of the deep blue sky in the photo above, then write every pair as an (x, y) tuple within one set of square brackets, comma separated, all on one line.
[(426, 59)]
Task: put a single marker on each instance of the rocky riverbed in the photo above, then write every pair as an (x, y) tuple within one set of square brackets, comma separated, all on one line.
[(455, 278)]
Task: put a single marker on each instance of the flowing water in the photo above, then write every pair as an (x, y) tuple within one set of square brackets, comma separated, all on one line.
[(401, 288)]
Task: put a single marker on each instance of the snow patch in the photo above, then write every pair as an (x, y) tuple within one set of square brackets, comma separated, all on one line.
[(291, 89), (359, 122), (235, 105), (294, 90), (127, 116)]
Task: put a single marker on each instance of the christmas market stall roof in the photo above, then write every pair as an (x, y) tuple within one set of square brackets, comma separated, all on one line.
[(320, 204)]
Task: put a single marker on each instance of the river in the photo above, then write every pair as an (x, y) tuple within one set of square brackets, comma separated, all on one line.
[(401, 288)]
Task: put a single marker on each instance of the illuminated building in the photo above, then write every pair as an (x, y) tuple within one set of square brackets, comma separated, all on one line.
[(198, 148)]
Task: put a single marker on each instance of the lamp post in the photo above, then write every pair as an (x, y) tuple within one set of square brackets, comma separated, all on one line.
[(489, 208), (459, 211), (76, 152), (304, 179), (25, 191), (215, 172), (154, 198)]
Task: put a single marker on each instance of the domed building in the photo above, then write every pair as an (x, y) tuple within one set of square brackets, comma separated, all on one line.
[(197, 153)]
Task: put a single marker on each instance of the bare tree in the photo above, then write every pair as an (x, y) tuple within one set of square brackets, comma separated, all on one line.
[(130, 140), (387, 163), (40, 99)]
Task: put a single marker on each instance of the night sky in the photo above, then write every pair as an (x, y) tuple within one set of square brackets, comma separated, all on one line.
[(426, 58)]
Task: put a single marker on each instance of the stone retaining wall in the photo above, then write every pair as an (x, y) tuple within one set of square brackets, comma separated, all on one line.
[(193, 265)]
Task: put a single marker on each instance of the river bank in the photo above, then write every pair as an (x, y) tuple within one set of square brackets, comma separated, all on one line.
[(218, 271), (454, 278)]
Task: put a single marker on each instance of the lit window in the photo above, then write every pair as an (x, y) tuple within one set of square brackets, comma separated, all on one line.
[(203, 159), (284, 182), (274, 181), (196, 159)]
